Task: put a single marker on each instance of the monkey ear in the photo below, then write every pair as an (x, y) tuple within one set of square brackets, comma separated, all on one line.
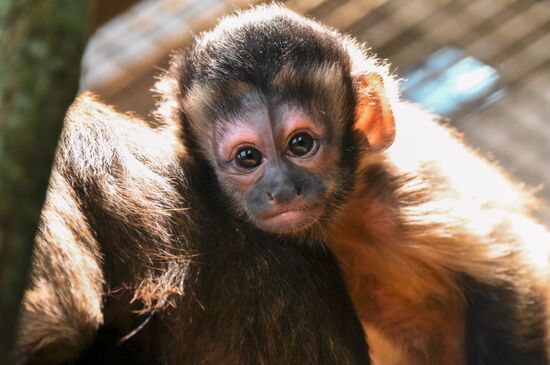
[(373, 114)]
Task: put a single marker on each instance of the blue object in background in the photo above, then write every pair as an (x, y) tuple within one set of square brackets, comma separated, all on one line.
[(449, 81)]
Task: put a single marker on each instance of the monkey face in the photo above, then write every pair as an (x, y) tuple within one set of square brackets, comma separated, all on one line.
[(279, 165), (279, 107)]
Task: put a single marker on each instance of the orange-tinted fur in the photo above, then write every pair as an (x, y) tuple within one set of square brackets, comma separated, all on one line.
[(427, 210), (400, 297)]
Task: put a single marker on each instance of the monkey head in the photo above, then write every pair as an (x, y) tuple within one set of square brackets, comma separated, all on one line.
[(277, 106)]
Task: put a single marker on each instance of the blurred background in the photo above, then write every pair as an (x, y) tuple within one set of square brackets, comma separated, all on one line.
[(485, 64)]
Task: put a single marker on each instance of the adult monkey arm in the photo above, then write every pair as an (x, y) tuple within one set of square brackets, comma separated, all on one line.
[(98, 157), (62, 307)]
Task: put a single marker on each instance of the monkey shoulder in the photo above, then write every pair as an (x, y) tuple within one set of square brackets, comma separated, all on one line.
[(96, 140), (118, 162), (437, 156), (469, 202)]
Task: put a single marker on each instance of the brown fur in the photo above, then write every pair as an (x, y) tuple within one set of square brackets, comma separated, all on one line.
[(63, 305), (426, 211), (137, 262), (55, 314), (434, 241)]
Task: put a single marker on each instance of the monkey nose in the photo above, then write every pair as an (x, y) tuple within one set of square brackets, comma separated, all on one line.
[(284, 195)]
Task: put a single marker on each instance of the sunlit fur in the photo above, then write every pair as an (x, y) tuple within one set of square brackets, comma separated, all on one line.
[(425, 214), (101, 161)]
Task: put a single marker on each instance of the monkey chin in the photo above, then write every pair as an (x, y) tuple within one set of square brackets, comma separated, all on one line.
[(288, 222)]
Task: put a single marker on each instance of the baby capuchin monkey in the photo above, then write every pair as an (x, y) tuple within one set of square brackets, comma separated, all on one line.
[(307, 138)]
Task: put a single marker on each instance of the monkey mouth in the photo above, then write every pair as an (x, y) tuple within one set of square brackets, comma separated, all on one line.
[(288, 219), (286, 215)]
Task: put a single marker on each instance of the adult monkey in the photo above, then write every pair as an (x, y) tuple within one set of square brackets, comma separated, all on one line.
[(299, 126)]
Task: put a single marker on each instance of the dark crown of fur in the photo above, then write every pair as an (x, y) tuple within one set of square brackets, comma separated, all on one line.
[(253, 46)]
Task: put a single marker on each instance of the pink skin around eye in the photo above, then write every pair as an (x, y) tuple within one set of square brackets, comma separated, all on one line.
[(256, 130), (240, 134)]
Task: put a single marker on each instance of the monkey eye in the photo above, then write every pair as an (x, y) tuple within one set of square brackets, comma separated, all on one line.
[(301, 144), (248, 158)]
